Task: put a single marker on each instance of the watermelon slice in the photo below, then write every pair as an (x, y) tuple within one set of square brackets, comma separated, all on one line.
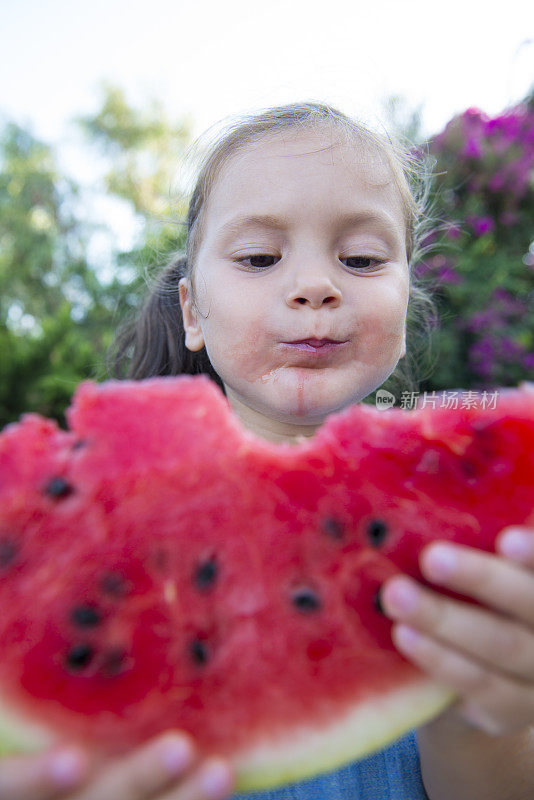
[(162, 567)]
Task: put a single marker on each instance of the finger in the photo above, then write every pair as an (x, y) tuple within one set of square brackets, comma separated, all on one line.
[(214, 780), (496, 642), (150, 769), (490, 701), (517, 543), (494, 581), (44, 776)]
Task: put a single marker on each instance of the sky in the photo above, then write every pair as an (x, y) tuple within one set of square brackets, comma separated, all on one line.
[(207, 60), (210, 59)]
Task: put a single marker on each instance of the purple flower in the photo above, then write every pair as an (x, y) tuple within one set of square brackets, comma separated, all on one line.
[(482, 225), (528, 361), (429, 239), (501, 294), (481, 357), (510, 349), (507, 303), (484, 321), (421, 269), (472, 148), (507, 124), (474, 117), (441, 268), (449, 275), (454, 232)]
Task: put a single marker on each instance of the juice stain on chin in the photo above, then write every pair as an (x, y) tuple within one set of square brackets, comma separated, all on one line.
[(307, 397), (273, 374), (301, 406)]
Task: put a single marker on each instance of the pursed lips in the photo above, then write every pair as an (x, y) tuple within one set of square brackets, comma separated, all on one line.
[(315, 345), (315, 342)]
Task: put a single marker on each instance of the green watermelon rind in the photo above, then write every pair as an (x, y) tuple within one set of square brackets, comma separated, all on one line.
[(20, 733), (296, 755), (366, 728)]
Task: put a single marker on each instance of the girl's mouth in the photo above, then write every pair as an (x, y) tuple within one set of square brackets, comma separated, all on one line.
[(315, 346)]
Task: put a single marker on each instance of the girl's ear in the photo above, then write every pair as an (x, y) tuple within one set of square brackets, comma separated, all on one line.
[(194, 338)]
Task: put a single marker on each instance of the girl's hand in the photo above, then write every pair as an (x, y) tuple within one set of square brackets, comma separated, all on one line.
[(165, 768), (485, 654)]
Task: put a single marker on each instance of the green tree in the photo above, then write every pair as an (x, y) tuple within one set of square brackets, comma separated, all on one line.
[(47, 291), (142, 150), (58, 315)]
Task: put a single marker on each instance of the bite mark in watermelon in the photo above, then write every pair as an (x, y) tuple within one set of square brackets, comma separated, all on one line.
[(161, 567)]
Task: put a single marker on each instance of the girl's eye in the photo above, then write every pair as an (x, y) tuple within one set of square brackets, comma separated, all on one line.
[(263, 261), (257, 262), (362, 262)]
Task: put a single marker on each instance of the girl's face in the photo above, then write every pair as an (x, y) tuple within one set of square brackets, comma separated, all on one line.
[(301, 281)]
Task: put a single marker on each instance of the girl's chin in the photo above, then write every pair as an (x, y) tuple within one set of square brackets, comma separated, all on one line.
[(303, 401), (306, 410)]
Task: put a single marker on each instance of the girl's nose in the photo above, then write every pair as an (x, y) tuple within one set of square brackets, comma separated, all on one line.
[(313, 291)]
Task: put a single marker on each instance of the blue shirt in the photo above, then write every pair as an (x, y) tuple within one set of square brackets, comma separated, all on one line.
[(391, 774)]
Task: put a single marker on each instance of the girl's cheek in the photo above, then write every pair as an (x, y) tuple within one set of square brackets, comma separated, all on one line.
[(242, 358)]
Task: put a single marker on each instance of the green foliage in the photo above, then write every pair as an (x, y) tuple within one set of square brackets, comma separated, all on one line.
[(47, 292), (143, 147), (57, 316)]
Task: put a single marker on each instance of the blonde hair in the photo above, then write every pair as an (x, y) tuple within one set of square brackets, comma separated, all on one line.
[(154, 342)]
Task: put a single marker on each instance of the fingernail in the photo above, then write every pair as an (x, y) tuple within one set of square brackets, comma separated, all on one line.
[(516, 544), (407, 637), (215, 780), (401, 596), (440, 562), (66, 768), (176, 754)]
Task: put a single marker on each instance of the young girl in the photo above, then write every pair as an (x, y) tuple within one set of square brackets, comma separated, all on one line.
[(293, 296)]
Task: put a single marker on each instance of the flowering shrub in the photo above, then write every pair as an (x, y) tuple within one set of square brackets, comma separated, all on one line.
[(482, 257)]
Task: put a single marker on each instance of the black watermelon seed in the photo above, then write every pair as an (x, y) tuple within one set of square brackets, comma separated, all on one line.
[(114, 584), (377, 531), (333, 527), (206, 574), (199, 651), (85, 616), (306, 600), (8, 552), (79, 656), (378, 603), (468, 468), (58, 488), (115, 661)]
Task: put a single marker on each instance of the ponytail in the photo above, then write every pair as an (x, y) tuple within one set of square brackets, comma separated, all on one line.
[(153, 342)]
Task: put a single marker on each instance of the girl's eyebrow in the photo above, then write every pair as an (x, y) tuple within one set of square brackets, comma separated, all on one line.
[(244, 221), (351, 219)]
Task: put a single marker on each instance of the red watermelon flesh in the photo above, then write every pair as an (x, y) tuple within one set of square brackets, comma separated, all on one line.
[(162, 567)]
